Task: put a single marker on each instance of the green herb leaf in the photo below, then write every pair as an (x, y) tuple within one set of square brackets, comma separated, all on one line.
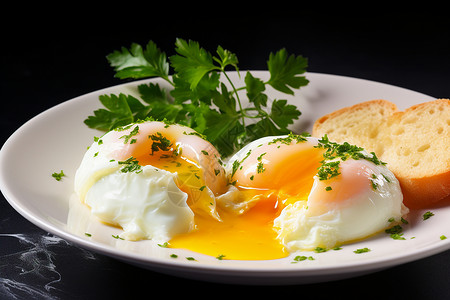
[(199, 97), (137, 63), (283, 114), (255, 88), (284, 69), (192, 61), (117, 112)]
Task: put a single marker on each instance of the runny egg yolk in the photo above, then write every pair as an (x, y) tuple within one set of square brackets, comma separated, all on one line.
[(272, 176), (266, 200), (243, 237), (190, 179), (248, 237)]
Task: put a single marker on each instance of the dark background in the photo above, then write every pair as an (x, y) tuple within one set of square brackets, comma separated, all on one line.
[(48, 57)]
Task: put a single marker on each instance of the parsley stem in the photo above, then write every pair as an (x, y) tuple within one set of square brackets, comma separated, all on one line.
[(166, 78), (237, 96)]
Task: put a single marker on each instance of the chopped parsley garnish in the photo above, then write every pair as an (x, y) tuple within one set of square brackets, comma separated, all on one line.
[(195, 133), (397, 236), (260, 167), (374, 184), (220, 257), (427, 215), (261, 156), (117, 237), (131, 165), (298, 138), (395, 232), (160, 142), (335, 153), (235, 167), (58, 176), (320, 250), (443, 237), (362, 250), (328, 170), (388, 180), (127, 137), (345, 151), (302, 258), (98, 140), (191, 258), (237, 164)]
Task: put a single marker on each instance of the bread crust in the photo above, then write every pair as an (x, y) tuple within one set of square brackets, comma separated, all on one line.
[(390, 107), (425, 191), (418, 191)]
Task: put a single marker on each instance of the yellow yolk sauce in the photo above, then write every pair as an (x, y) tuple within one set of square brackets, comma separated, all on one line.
[(250, 236)]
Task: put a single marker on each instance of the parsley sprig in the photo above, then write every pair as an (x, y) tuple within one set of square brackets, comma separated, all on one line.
[(198, 96)]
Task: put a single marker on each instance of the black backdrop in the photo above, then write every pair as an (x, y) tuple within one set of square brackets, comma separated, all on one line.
[(48, 58)]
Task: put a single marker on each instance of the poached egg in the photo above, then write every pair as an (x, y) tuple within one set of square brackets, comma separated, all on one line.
[(167, 183), (151, 179)]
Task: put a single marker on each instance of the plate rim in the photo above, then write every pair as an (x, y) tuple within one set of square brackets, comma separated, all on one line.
[(375, 263)]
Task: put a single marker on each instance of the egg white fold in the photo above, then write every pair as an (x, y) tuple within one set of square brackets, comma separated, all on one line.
[(147, 205), (301, 227)]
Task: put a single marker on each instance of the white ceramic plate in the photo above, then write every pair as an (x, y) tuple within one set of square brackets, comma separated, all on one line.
[(57, 139)]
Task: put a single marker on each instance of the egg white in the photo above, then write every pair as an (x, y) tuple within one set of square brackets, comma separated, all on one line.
[(149, 205), (365, 214), (301, 228), (146, 204)]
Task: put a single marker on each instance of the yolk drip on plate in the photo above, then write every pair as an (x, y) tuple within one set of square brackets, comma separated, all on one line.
[(245, 237), (248, 236)]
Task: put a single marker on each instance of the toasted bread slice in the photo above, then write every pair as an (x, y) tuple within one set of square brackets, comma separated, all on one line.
[(414, 143)]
